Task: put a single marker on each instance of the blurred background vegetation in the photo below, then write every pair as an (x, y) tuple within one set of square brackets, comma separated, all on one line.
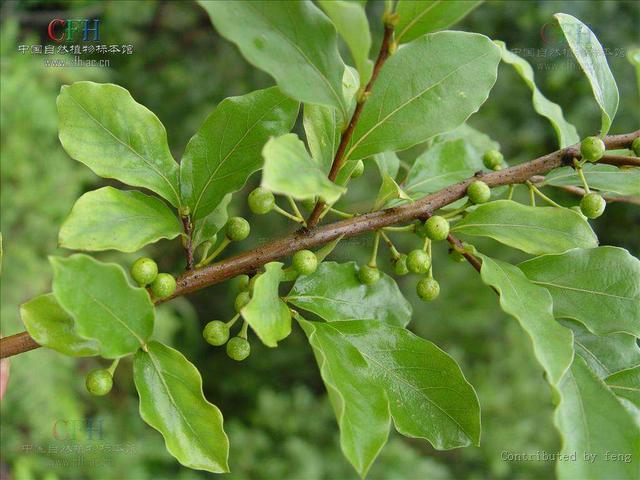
[(276, 410)]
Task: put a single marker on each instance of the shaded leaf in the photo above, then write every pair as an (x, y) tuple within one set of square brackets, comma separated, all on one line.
[(227, 148), (102, 126), (387, 162), (534, 230), (105, 307), (606, 178), (51, 326), (206, 228), (334, 293), (172, 402), (626, 384), (389, 190), (599, 287)]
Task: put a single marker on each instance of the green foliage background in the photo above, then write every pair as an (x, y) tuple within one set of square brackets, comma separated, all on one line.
[(275, 407)]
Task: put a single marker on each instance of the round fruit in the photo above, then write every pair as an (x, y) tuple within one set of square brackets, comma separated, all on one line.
[(240, 284), (592, 205), (305, 262), (99, 382), (238, 348), (237, 229), (428, 289), (261, 201), (636, 146), (492, 159), (144, 271), (437, 228), (164, 285), (358, 170), (368, 275), (400, 265), (478, 192), (241, 300), (216, 333), (592, 149), (418, 261)]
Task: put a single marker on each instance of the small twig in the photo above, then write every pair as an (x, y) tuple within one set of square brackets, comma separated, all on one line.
[(471, 258), (188, 240)]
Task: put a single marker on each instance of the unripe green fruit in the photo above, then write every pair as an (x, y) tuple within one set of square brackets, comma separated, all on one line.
[(636, 147), (216, 333), (456, 256), (240, 284), (238, 348), (144, 271), (237, 229), (437, 228), (428, 289), (164, 285), (305, 262), (418, 261), (368, 275), (400, 265), (592, 149), (261, 201), (99, 382), (358, 169), (492, 159), (592, 205), (241, 300), (478, 192)]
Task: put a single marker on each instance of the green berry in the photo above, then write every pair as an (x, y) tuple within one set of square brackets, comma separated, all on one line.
[(241, 300), (238, 348), (144, 271), (237, 229), (478, 192), (358, 170), (368, 275), (592, 149), (492, 159), (164, 285), (418, 261), (636, 146), (592, 205), (437, 228), (261, 201), (456, 256), (216, 333), (400, 265), (239, 284), (305, 262), (99, 382), (428, 289)]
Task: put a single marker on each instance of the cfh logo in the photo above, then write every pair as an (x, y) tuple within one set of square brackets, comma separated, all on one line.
[(82, 429), (67, 30)]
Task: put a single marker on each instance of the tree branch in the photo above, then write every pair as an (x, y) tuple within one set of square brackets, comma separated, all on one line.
[(250, 261), (188, 240)]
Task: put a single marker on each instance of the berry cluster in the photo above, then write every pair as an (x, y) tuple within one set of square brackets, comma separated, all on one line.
[(145, 272)]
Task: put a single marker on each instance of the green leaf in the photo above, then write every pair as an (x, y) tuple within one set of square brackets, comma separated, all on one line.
[(360, 405), (532, 307), (206, 228), (50, 326), (418, 17), (334, 293), (606, 178), (452, 158), (387, 162), (591, 57), (172, 402), (112, 219), (604, 354), (289, 170), (102, 126), (534, 230), (266, 313), (389, 190), (566, 132), (626, 384), (350, 19), (227, 149), (592, 421), (105, 307), (428, 396), (294, 42), (428, 87), (599, 287)]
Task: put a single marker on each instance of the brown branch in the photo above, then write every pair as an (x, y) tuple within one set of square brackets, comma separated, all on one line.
[(339, 159), (250, 261), (471, 258), (620, 160), (187, 240)]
